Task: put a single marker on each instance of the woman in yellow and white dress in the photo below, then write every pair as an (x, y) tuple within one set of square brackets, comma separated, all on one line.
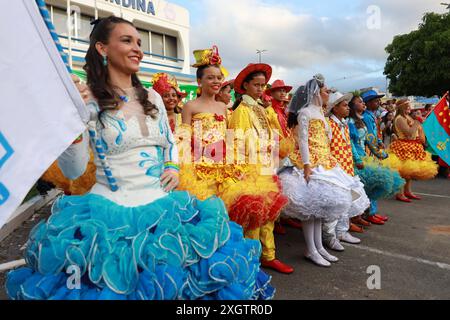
[(407, 153), (317, 187)]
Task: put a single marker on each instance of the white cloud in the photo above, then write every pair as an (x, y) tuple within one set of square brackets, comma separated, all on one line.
[(300, 45)]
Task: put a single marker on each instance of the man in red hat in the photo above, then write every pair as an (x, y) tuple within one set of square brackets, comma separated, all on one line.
[(276, 113)]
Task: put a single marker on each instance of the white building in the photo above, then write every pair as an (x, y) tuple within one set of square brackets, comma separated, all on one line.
[(164, 30)]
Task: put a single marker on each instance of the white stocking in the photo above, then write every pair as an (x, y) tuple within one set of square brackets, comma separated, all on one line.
[(318, 242), (308, 232), (311, 251), (318, 234)]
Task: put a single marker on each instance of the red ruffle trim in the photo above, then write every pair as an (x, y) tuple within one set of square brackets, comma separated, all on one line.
[(252, 212), (249, 211)]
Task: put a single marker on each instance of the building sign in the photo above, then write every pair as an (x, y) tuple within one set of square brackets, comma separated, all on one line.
[(145, 6)]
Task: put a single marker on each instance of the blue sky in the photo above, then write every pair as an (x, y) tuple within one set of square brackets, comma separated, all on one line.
[(305, 37)]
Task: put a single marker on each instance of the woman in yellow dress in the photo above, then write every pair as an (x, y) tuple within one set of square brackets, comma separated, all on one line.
[(407, 153), (201, 137), (257, 198), (172, 96)]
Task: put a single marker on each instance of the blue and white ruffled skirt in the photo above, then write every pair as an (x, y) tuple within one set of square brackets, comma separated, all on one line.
[(177, 247)]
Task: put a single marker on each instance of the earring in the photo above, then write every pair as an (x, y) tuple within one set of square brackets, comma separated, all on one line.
[(105, 60)]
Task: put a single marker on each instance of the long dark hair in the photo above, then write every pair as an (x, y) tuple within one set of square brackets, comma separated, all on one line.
[(237, 101), (292, 120), (389, 130), (359, 123), (98, 76)]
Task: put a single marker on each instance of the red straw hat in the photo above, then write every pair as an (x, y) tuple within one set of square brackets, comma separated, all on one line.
[(226, 83), (278, 84), (162, 83), (252, 67)]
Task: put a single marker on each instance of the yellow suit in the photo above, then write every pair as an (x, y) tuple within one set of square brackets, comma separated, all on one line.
[(251, 124)]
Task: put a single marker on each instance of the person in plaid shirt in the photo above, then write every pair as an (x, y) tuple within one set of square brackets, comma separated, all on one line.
[(341, 149)]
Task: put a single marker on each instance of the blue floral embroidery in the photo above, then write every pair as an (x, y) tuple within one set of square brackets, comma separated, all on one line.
[(104, 144), (156, 165), (119, 125)]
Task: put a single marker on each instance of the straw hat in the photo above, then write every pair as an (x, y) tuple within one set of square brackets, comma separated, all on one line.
[(251, 68)]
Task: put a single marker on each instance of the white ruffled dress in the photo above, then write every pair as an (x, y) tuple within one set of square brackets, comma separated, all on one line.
[(331, 193)]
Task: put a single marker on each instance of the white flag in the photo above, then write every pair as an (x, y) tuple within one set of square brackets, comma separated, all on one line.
[(40, 106)]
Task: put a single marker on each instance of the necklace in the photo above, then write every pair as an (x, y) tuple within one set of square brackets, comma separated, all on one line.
[(125, 98)]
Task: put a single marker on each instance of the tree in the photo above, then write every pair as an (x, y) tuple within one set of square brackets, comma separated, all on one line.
[(419, 62)]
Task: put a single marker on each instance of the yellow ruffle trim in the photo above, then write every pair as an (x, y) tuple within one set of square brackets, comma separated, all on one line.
[(252, 183), (79, 186), (413, 169)]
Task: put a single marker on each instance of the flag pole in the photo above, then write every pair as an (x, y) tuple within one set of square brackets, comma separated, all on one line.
[(69, 33), (95, 140)]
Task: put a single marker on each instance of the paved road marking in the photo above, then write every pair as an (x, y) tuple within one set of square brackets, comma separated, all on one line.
[(442, 230), (432, 195), (12, 265), (440, 265)]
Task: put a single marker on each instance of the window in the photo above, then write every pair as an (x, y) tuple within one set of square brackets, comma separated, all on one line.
[(60, 21), (157, 44), (84, 27), (81, 24), (171, 47), (145, 39)]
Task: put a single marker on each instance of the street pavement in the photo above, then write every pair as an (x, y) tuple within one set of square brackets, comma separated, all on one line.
[(412, 252)]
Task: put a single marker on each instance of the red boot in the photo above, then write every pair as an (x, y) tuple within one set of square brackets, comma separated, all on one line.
[(402, 198), (356, 228), (279, 229), (277, 265), (360, 221), (382, 218), (374, 220), (412, 196)]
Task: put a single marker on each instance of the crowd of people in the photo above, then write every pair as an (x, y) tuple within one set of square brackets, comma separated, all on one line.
[(187, 197)]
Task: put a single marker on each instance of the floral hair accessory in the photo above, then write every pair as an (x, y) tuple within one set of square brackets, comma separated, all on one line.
[(206, 57), (163, 83)]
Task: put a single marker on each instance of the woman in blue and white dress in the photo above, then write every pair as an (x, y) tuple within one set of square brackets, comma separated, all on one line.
[(132, 237), (380, 182)]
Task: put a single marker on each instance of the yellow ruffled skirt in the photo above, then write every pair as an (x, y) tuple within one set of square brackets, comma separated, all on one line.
[(252, 198), (411, 160)]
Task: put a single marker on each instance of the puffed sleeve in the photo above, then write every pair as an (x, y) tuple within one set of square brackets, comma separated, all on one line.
[(303, 135), (273, 120), (240, 119), (356, 157), (73, 162), (353, 131), (240, 123)]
